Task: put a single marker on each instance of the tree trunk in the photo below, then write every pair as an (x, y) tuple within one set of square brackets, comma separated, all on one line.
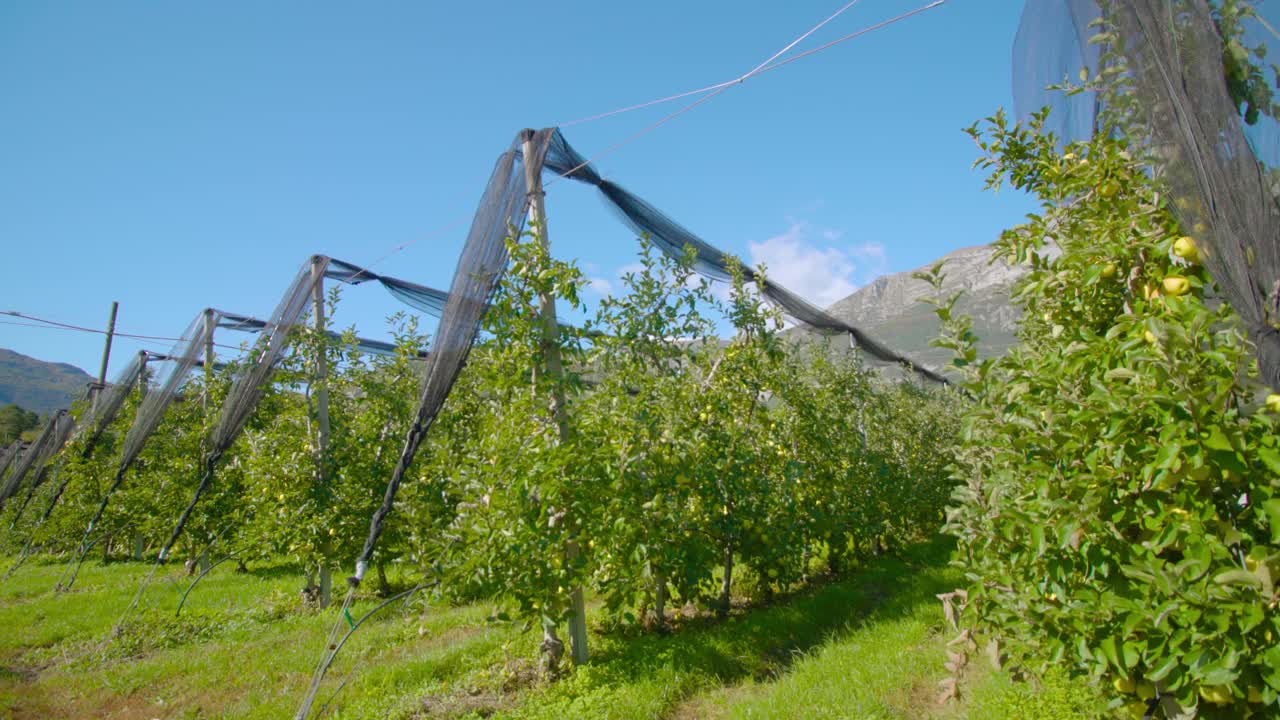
[(326, 586), (384, 587), (835, 560), (722, 610), (137, 547), (552, 650), (804, 561), (309, 590), (660, 600)]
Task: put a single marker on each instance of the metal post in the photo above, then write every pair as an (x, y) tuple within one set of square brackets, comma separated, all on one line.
[(106, 352), (555, 370)]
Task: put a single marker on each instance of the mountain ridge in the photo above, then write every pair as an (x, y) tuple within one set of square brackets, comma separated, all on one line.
[(39, 385), (889, 309)]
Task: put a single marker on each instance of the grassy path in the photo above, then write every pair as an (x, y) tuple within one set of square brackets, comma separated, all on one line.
[(868, 646)]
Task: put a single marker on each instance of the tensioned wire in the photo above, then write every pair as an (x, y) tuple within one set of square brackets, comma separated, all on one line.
[(717, 88), (722, 87), (55, 325)]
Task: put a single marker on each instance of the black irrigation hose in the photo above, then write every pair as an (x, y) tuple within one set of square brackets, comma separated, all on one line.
[(198, 579), (332, 647), (146, 581), (86, 546), (333, 654)]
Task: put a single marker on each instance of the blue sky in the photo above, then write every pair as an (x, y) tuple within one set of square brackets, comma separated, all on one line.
[(174, 156)]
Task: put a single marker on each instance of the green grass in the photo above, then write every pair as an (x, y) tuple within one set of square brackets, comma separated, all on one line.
[(869, 646)]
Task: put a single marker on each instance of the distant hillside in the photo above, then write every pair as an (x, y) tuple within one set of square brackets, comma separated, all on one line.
[(38, 385), (889, 310)]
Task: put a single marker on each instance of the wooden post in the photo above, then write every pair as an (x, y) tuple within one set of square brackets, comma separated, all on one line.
[(322, 362), (106, 352), (555, 370), (322, 409), (209, 326)]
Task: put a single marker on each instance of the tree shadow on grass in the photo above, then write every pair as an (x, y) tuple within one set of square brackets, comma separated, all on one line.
[(762, 643)]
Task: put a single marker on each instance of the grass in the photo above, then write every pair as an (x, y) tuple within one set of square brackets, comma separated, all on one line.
[(869, 646)]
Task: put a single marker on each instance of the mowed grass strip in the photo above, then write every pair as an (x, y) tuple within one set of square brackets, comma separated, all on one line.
[(685, 674), (869, 645), (240, 649)]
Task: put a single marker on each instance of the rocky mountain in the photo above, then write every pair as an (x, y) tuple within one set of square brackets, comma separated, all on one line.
[(38, 385), (889, 310)]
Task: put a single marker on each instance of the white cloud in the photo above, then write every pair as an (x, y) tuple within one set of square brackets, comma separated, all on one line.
[(821, 275), (872, 259), (630, 268), (600, 285)]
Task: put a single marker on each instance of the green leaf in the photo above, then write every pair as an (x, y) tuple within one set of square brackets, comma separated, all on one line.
[(1238, 577), (1217, 440)]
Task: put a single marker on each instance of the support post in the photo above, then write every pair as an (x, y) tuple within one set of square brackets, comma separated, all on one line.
[(322, 362), (322, 410), (106, 352), (555, 370), (209, 327), (142, 374)]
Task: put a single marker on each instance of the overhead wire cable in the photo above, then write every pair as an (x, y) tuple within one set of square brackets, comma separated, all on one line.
[(763, 68), (717, 88), (758, 71), (54, 324)]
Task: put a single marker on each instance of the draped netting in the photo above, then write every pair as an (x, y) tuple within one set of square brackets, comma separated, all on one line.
[(55, 433), (672, 238), (106, 406), (178, 363), (64, 426), (1215, 153), (245, 323), (427, 299), (249, 385), (251, 380), (8, 455), (1052, 46), (481, 265)]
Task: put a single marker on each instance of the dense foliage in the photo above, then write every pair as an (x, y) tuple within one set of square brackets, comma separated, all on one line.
[(14, 421), (1117, 509), (682, 471)]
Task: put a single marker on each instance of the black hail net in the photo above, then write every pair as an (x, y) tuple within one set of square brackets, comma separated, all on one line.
[(672, 238), (178, 364), (480, 267), (426, 299), (250, 383), (51, 438), (1219, 167), (6, 458), (244, 323), (107, 405), (1051, 47), (39, 472)]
